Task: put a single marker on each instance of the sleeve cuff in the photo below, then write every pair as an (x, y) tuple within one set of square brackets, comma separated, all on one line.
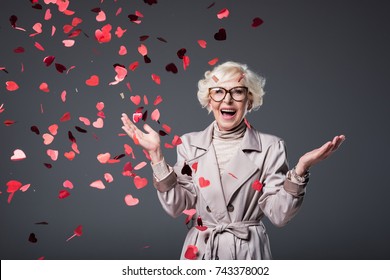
[(293, 188), (161, 170)]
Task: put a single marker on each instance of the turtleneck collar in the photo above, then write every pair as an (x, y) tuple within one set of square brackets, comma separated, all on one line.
[(233, 134)]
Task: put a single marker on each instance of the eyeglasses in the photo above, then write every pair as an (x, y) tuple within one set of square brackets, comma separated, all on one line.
[(219, 93)]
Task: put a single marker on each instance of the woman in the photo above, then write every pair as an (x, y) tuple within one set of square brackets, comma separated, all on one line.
[(232, 174)]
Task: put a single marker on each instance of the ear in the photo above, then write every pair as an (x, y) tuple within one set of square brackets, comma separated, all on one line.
[(249, 105)]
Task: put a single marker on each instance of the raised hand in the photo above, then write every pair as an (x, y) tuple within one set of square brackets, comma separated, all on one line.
[(149, 140), (311, 158)]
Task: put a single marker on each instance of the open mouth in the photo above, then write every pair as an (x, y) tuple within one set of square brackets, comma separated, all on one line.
[(228, 113)]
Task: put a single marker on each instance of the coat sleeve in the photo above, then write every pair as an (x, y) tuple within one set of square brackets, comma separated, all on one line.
[(176, 192), (281, 198)]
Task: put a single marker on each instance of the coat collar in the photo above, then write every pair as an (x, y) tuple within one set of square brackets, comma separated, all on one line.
[(251, 140)]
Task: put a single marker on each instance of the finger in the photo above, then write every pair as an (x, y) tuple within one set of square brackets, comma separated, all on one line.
[(340, 139), (149, 129)]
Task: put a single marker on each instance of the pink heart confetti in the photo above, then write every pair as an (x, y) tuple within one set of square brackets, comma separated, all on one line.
[(98, 185), (100, 106), (44, 87), (155, 116), (224, 13), (122, 50), (176, 140), (119, 32), (68, 184), (85, 120), (53, 129), (53, 154), (135, 99), (48, 138), (108, 177), (101, 16), (103, 158), (99, 123), (25, 187), (18, 155), (68, 43), (202, 43), (48, 15), (140, 165), (130, 200), (143, 50)]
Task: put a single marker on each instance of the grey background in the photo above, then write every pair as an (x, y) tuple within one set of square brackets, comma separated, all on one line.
[(326, 65)]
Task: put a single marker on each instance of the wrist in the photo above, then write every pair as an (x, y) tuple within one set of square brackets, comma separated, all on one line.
[(156, 156), (301, 169)]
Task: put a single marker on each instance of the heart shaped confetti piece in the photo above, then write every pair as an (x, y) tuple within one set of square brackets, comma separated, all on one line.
[(220, 35), (213, 61), (77, 232), (68, 184), (99, 123), (257, 22), (53, 154), (140, 165), (85, 120), (176, 140), (25, 187), (18, 155), (186, 170), (92, 81), (135, 99), (48, 60), (202, 43), (11, 85), (155, 116), (44, 87), (143, 50), (70, 155), (257, 185), (108, 177), (140, 182), (103, 158), (171, 67), (98, 185), (224, 13), (47, 138), (68, 43), (63, 194), (203, 183), (201, 228), (53, 129), (156, 79), (191, 252), (101, 16), (130, 200), (32, 238), (195, 166)]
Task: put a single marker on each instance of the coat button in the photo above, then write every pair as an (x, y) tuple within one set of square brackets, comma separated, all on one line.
[(208, 209), (230, 208)]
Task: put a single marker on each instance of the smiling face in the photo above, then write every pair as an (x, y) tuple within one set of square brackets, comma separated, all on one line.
[(229, 113)]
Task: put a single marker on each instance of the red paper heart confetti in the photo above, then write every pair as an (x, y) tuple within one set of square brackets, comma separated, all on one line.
[(70, 155), (156, 79), (191, 252), (85, 120), (143, 50), (213, 61), (32, 238), (195, 166), (18, 155), (44, 87), (108, 177), (140, 182), (47, 138), (203, 183), (176, 140), (202, 43), (11, 85), (48, 60), (155, 116), (93, 81), (65, 117), (99, 123), (53, 129), (63, 194), (257, 185), (130, 200)]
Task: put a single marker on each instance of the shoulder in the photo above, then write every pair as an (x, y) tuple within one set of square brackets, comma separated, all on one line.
[(267, 139)]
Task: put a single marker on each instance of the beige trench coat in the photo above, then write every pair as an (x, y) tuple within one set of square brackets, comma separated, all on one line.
[(229, 206)]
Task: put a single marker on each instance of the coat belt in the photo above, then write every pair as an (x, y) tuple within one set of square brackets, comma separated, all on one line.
[(238, 229)]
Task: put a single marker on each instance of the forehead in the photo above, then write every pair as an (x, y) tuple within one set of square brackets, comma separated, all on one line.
[(230, 83)]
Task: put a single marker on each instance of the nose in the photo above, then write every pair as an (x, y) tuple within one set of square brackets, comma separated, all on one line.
[(228, 98)]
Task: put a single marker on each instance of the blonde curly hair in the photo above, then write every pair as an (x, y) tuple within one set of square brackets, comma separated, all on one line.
[(228, 71)]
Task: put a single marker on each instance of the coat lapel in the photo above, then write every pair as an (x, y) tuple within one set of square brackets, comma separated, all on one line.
[(240, 168), (208, 171)]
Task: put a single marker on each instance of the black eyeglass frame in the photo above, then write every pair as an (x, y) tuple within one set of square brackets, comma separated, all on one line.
[(229, 91)]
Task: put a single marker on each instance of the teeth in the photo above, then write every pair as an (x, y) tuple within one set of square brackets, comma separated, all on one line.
[(228, 110)]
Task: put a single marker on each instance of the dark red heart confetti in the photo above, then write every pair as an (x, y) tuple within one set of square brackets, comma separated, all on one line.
[(186, 170), (220, 35), (143, 38), (13, 19), (171, 67), (35, 129), (60, 68), (257, 22), (150, 2), (32, 238), (181, 53)]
